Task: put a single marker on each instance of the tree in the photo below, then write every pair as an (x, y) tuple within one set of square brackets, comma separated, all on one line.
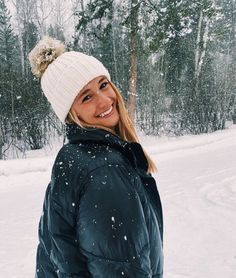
[(43, 11), (132, 21), (95, 32), (9, 61), (226, 36), (7, 39)]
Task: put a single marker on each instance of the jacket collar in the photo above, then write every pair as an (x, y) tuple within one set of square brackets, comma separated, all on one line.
[(133, 151)]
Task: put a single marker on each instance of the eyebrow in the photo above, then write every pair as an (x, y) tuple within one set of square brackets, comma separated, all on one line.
[(101, 79), (87, 90), (82, 94)]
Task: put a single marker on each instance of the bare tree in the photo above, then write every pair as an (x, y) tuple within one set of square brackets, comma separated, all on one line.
[(25, 12), (202, 39), (62, 14), (132, 91), (43, 11)]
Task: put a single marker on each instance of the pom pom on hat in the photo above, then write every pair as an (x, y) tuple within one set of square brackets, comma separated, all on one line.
[(63, 74), (44, 53)]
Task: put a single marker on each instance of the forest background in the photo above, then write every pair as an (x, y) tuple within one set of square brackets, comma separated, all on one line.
[(173, 60)]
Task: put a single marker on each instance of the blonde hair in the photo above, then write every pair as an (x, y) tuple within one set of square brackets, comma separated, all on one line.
[(125, 128)]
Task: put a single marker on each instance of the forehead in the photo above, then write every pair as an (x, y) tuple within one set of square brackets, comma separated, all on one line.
[(93, 82)]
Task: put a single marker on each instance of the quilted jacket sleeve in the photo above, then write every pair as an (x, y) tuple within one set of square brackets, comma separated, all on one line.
[(44, 266), (112, 228)]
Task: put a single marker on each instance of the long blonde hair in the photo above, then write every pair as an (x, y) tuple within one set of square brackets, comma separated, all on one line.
[(125, 128)]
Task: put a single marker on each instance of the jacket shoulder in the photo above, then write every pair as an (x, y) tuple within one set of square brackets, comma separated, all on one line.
[(68, 177), (95, 154)]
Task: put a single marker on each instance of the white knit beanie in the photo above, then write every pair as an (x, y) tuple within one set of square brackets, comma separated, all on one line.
[(65, 75)]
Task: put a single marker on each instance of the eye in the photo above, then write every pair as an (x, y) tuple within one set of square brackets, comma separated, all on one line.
[(103, 85), (86, 98)]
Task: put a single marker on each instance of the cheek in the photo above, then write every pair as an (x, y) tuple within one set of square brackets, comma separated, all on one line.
[(86, 112), (75, 107), (113, 94)]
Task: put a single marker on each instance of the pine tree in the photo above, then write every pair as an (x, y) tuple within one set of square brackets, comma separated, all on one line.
[(96, 20), (31, 119), (7, 38), (226, 37), (9, 61)]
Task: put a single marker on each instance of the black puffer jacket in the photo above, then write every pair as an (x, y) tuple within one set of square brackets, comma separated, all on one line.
[(102, 214)]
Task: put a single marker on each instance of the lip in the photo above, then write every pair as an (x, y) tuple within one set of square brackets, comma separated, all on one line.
[(108, 115)]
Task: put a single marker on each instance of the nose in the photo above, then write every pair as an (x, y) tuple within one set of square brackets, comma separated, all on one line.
[(103, 100)]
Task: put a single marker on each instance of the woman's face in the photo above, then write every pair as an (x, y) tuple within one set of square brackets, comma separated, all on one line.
[(96, 103)]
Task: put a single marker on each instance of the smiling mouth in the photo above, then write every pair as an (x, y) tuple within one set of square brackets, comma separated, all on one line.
[(106, 113)]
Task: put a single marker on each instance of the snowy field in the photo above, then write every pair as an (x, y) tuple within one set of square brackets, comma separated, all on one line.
[(197, 184)]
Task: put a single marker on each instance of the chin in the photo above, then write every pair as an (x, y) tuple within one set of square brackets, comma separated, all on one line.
[(110, 125)]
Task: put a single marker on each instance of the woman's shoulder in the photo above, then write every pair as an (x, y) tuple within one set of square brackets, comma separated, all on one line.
[(75, 163), (88, 156), (70, 159), (83, 151), (69, 174)]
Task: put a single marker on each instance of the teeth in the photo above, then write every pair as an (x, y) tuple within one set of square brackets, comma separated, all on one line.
[(106, 112)]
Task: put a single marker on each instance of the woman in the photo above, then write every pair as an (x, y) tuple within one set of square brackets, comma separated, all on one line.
[(102, 214)]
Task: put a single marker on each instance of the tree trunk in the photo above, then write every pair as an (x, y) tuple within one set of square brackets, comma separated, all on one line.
[(233, 62), (114, 47), (132, 92), (1, 143)]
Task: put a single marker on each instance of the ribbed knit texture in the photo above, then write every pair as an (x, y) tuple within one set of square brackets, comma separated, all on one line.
[(66, 76)]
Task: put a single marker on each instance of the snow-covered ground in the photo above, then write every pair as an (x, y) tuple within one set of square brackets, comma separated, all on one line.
[(197, 184)]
